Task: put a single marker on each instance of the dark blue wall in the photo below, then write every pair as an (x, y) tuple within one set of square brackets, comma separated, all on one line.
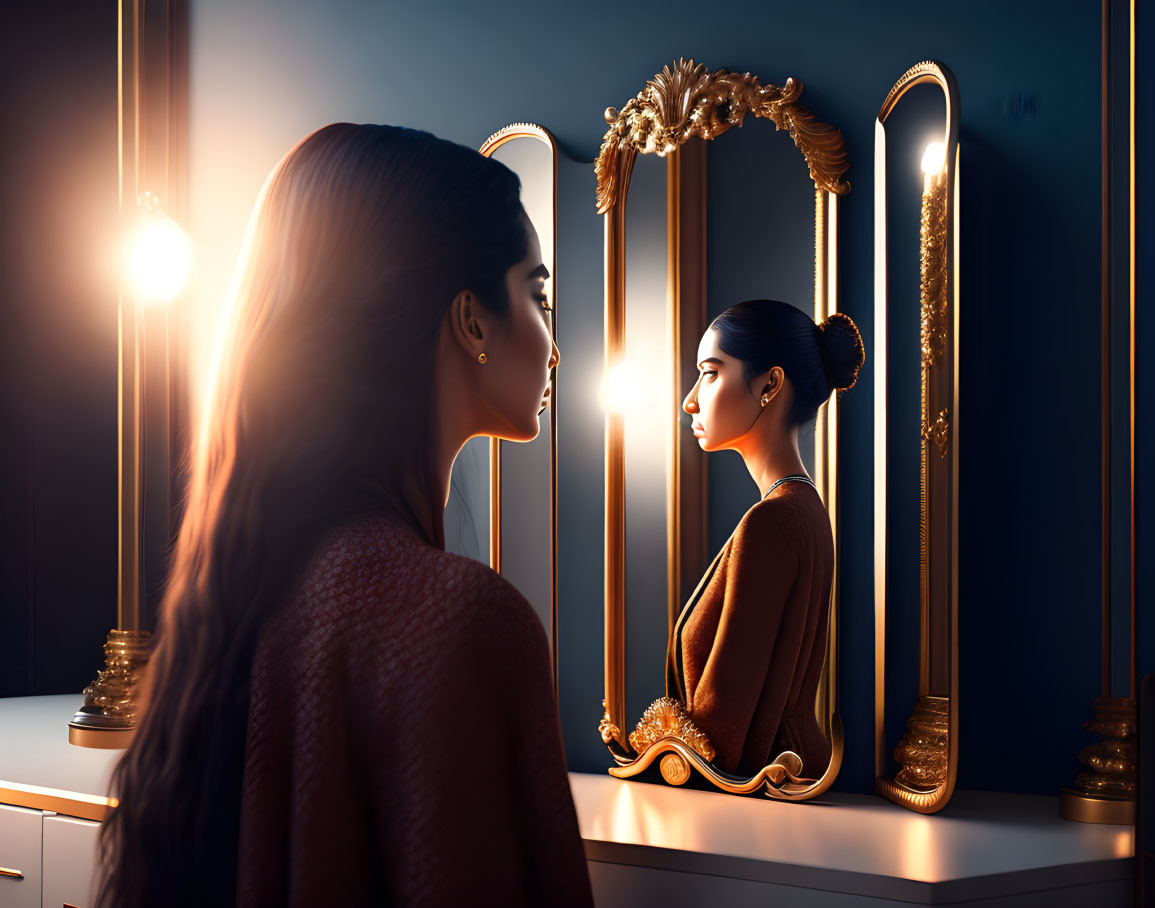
[(265, 73), (57, 345), (1145, 372)]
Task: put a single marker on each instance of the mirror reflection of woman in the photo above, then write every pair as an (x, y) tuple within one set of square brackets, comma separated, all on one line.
[(747, 651), (338, 711)]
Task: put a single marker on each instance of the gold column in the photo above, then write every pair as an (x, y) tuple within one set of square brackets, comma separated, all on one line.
[(1105, 789), (152, 109)]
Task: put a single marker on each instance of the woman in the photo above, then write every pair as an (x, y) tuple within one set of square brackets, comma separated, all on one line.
[(339, 712), (747, 652)]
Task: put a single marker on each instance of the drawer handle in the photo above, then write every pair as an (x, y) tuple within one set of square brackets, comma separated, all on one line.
[(5, 871)]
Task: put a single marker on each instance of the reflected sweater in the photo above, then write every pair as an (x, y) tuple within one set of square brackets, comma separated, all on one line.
[(747, 652), (403, 742)]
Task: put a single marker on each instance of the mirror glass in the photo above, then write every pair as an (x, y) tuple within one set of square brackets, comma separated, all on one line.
[(645, 397), (467, 511), (911, 126), (522, 521)]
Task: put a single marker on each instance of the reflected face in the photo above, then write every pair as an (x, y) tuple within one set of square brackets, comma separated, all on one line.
[(520, 359), (722, 404)]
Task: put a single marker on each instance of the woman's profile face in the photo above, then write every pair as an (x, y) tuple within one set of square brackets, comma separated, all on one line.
[(722, 404), (519, 363)]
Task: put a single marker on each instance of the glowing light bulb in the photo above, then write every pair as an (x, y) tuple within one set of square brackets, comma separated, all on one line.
[(159, 260), (933, 164), (618, 387), (934, 158)]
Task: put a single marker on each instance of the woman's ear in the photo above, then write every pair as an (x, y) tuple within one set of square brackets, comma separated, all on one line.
[(767, 385), (465, 323)]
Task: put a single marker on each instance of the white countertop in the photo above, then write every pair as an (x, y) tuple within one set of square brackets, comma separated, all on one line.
[(34, 748), (982, 844)]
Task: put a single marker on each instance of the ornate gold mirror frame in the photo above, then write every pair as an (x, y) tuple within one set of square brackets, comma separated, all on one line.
[(928, 752), (680, 103), (502, 137)]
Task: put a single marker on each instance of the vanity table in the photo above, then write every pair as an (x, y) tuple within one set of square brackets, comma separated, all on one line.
[(656, 845), (51, 804), (646, 844)]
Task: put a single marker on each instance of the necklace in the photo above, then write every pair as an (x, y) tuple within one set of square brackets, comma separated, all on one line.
[(796, 477)]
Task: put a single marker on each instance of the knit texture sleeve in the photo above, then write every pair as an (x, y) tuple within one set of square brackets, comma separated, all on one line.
[(461, 750)]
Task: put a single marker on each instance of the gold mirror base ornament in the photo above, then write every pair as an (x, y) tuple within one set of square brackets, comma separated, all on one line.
[(107, 720), (923, 784), (779, 781), (1104, 792), (666, 731)]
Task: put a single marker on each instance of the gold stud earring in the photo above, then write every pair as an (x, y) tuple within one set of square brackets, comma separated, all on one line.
[(765, 400), (481, 357)]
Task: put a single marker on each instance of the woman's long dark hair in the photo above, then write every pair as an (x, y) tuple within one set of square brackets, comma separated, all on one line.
[(818, 359), (360, 239)]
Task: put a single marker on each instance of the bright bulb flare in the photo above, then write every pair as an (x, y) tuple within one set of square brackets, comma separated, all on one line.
[(618, 387), (934, 158), (159, 260)]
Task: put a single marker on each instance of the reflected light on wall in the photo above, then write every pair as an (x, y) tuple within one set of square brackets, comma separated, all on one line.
[(158, 260), (618, 391)]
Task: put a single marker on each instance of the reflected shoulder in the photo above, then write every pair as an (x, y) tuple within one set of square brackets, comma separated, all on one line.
[(773, 520)]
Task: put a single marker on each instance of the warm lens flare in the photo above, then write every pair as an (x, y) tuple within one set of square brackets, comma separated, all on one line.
[(159, 260), (618, 388), (934, 158)]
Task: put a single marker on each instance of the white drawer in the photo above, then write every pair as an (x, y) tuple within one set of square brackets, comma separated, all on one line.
[(70, 855), (20, 830)]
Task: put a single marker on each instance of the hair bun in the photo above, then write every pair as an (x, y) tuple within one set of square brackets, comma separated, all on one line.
[(840, 346)]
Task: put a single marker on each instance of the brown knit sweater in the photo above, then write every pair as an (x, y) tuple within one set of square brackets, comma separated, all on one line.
[(747, 651), (403, 743)]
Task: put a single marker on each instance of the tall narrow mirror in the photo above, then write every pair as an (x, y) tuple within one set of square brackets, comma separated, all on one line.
[(916, 438), (502, 505)]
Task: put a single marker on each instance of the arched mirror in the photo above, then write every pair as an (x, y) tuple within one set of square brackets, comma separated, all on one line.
[(916, 413), (512, 525), (715, 216)]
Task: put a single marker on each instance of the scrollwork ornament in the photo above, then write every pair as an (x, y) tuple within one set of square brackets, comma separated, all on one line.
[(687, 101), (939, 432), (667, 718), (611, 733)]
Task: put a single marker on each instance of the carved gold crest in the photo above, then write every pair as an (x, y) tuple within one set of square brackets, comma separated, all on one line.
[(687, 101)]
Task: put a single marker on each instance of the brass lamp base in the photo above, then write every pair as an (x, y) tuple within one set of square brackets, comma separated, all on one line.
[(108, 718), (1104, 792), (1087, 808), (94, 729)]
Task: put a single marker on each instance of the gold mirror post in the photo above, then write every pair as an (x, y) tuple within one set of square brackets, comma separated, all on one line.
[(152, 115), (1105, 789), (683, 102), (615, 518), (928, 752)]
